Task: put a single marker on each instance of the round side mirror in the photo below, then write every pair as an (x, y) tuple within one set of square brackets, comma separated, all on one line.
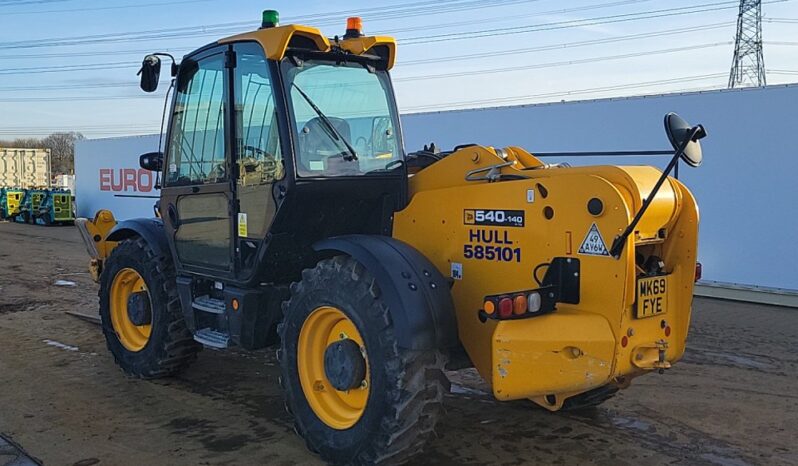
[(150, 72), (679, 131)]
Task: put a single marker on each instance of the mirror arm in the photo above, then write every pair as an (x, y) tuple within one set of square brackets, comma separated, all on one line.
[(620, 241), (173, 69)]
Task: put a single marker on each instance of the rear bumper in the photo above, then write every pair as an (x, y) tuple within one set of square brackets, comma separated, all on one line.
[(563, 352), (569, 352)]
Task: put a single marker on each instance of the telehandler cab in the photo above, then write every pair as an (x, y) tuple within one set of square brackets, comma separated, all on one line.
[(291, 215)]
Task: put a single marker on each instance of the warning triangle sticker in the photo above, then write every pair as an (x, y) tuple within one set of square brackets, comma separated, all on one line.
[(593, 245)]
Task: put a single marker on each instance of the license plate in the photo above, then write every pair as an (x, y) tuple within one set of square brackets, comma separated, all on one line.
[(652, 296)]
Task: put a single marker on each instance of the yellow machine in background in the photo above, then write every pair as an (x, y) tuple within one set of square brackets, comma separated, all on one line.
[(291, 214)]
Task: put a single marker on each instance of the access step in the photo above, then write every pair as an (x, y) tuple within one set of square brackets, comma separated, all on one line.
[(212, 338), (207, 304)]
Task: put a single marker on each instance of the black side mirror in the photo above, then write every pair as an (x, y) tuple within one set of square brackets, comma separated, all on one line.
[(684, 139), (679, 131), (150, 72), (152, 161)]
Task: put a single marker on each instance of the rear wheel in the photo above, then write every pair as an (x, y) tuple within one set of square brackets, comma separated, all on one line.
[(356, 397), (140, 312)]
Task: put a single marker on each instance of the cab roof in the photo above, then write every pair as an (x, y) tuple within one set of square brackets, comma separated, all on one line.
[(276, 41)]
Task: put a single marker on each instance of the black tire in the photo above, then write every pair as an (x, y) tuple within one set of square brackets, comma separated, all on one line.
[(589, 399), (407, 387), (171, 347)]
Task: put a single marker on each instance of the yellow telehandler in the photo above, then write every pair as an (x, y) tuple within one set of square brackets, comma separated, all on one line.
[(291, 215)]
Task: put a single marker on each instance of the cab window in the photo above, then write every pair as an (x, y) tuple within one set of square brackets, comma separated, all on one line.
[(344, 117), (197, 144)]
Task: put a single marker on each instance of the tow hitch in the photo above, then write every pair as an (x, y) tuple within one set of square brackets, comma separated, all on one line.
[(651, 356)]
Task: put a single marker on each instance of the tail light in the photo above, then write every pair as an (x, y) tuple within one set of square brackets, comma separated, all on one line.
[(505, 307), (511, 306), (698, 271)]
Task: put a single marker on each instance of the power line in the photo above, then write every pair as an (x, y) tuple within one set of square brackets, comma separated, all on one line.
[(567, 93), (564, 45), (560, 63), (389, 31), (402, 10), (61, 68), (667, 32), (29, 2), (560, 11), (115, 7), (601, 20), (409, 78), (547, 26)]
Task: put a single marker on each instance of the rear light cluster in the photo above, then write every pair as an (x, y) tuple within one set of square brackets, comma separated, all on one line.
[(512, 305), (698, 271)]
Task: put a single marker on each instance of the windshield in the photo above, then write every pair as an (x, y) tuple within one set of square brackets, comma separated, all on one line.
[(343, 117)]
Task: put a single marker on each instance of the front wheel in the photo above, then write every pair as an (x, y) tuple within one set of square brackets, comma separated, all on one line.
[(356, 396), (140, 312)]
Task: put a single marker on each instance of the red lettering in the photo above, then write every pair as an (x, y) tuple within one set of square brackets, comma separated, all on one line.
[(126, 179), (128, 176), (114, 185), (145, 180), (105, 179)]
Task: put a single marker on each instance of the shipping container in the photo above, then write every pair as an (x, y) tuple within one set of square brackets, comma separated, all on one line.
[(25, 168)]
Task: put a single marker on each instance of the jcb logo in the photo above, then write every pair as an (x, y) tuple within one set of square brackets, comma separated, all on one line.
[(469, 217), (126, 179)]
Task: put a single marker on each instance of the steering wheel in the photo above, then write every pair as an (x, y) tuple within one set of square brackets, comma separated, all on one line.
[(394, 163), (256, 150)]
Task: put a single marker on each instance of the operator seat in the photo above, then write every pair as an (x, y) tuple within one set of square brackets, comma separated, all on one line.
[(318, 151)]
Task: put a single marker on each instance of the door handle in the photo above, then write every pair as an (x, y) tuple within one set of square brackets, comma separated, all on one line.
[(171, 212)]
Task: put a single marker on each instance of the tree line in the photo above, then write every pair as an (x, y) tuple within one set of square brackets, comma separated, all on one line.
[(61, 145)]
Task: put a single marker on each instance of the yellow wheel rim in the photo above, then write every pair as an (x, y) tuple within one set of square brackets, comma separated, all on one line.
[(338, 409), (133, 337)]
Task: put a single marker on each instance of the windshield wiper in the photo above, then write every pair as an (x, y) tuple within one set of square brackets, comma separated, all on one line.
[(332, 132)]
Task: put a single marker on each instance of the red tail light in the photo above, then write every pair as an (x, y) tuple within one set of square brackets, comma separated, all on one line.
[(698, 270), (505, 307)]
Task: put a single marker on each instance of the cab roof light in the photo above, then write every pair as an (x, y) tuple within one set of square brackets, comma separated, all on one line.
[(271, 18), (354, 27)]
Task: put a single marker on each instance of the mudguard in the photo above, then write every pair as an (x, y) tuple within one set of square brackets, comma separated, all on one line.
[(151, 229), (417, 294)]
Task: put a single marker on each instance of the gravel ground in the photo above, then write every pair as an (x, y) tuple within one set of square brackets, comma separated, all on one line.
[(733, 400)]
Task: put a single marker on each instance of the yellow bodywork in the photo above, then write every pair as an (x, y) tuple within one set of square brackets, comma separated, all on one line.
[(94, 233), (577, 347), (275, 41), (13, 201)]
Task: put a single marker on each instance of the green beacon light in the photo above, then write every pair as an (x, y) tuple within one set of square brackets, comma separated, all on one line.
[(271, 18)]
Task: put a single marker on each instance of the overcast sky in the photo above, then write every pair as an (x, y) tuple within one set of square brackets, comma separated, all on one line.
[(71, 64)]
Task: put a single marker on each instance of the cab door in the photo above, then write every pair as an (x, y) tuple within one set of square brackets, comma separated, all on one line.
[(196, 198), (260, 168)]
